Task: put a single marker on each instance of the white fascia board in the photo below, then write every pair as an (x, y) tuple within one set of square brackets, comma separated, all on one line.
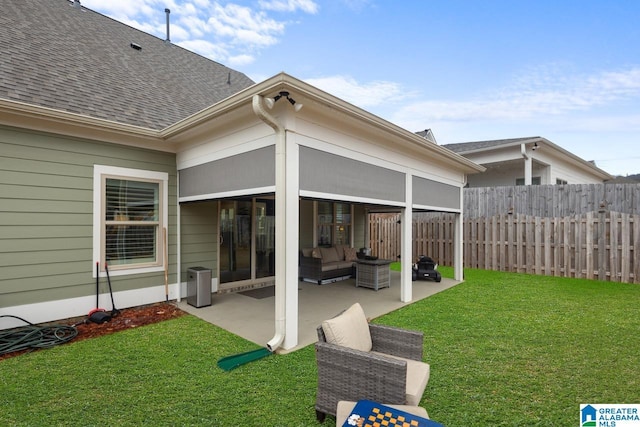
[(347, 198), (228, 194), (435, 208), (43, 119)]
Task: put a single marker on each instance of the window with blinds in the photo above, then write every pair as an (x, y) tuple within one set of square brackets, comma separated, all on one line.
[(334, 223), (131, 222)]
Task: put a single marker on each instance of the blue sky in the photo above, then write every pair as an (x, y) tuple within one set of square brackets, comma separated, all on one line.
[(565, 70)]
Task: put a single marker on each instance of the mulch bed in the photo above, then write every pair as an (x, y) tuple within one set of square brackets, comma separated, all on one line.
[(127, 319)]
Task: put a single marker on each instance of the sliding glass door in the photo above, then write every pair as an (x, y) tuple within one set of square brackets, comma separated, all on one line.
[(265, 238), (235, 240), (247, 239)]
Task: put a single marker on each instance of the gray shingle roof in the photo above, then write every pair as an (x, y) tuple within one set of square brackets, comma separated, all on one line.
[(479, 145), (73, 59)]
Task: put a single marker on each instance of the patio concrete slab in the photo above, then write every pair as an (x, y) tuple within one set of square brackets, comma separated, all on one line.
[(254, 318)]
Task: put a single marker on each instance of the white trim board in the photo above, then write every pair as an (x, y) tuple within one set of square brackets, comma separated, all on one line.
[(52, 311)]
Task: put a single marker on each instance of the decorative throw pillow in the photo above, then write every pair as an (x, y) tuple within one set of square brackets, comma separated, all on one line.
[(350, 254), (315, 253), (349, 329)]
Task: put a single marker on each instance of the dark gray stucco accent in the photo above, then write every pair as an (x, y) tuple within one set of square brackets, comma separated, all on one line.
[(434, 193), (329, 173), (253, 169)]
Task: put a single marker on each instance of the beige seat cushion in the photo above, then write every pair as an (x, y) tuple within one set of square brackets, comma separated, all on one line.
[(330, 254), (344, 264), (345, 407), (349, 329), (417, 378), (340, 251)]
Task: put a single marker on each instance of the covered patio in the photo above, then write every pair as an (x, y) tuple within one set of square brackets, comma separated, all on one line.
[(312, 174), (316, 303)]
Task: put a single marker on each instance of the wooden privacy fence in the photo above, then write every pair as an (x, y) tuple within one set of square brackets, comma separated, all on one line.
[(594, 245), (554, 201)]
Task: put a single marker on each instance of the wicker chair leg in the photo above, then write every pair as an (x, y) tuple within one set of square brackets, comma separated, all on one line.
[(320, 416)]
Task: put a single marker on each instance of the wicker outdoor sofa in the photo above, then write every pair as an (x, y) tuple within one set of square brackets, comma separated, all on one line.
[(391, 372), (327, 264)]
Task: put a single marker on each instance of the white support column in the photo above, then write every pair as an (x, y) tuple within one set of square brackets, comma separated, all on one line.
[(528, 170), (406, 257), (291, 231), (527, 164)]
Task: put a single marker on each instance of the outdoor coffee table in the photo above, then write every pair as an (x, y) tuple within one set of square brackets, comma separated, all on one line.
[(373, 274)]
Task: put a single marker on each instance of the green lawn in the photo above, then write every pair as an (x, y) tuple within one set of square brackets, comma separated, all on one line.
[(505, 349)]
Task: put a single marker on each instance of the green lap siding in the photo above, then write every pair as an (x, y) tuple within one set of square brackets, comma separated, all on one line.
[(199, 239), (46, 214), (306, 224)]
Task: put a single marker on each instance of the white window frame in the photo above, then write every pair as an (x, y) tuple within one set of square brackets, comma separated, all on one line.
[(100, 172)]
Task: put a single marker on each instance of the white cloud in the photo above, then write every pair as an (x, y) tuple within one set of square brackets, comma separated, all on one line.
[(536, 96), (357, 5), (192, 26), (225, 31), (241, 25), (240, 60), (206, 48), (179, 32), (361, 94), (307, 6)]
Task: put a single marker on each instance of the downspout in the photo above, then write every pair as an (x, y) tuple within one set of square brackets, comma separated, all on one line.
[(280, 295)]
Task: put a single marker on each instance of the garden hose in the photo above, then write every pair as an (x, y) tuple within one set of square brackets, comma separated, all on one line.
[(34, 337)]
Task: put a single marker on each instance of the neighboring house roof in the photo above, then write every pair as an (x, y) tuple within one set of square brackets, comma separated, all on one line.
[(475, 147), (428, 135), (624, 180), (69, 58)]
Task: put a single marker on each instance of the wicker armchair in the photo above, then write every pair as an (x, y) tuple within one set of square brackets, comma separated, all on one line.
[(380, 374)]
